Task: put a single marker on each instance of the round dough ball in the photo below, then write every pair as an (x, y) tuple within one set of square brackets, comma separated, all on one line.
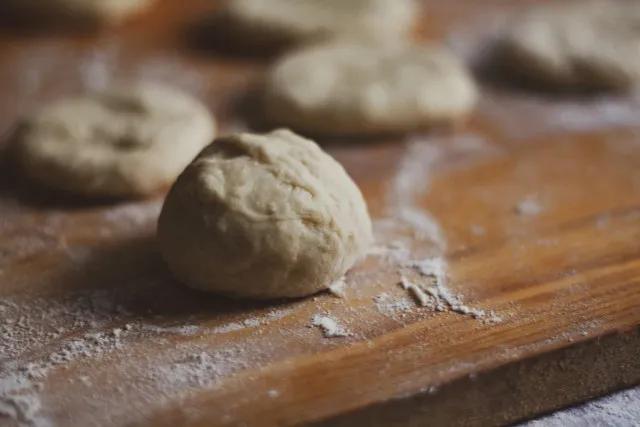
[(576, 45), (124, 142), (84, 12), (263, 216), (277, 23), (355, 89)]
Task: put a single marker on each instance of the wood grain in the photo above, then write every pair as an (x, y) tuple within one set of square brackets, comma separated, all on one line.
[(564, 282)]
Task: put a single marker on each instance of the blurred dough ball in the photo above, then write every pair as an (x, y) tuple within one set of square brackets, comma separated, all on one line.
[(278, 23), (124, 142), (263, 216), (591, 44), (344, 88), (81, 12)]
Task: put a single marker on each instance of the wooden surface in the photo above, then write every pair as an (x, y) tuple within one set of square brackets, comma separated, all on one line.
[(534, 204)]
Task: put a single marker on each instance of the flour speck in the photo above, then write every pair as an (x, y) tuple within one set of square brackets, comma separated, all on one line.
[(329, 326)]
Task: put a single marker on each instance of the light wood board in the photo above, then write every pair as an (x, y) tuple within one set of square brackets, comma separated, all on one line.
[(534, 204)]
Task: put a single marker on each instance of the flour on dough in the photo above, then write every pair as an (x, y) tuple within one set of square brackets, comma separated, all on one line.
[(348, 88), (263, 216), (124, 142), (592, 44)]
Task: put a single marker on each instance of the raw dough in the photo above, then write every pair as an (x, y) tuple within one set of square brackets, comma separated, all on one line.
[(81, 11), (127, 141), (345, 88), (578, 44), (277, 23), (263, 216)]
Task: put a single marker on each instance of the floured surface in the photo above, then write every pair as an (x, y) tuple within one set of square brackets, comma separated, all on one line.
[(519, 232), (619, 409)]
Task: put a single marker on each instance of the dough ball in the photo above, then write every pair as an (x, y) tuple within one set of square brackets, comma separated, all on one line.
[(263, 216), (344, 88), (83, 12), (124, 142), (277, 23), (576, 45)]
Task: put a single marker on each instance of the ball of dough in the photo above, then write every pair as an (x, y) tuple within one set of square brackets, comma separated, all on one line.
[(277, 23), (344, 88), (87, 12), (263, 216), (579, 44), (123, 142)]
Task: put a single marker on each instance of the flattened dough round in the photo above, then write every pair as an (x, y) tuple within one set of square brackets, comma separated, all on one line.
[(263, 216), (285, 22), (80, 11), (344, 88), (592, 44), (124, 142)]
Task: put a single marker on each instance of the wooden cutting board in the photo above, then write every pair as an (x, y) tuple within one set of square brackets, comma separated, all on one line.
[(533, 208)]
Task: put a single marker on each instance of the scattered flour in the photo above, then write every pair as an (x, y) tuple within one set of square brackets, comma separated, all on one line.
[(21, 382), (273, 393), (47, 322), (330, 328), (42, 336), (619, 409), (251, 322), (20, 401), (411, 181), (394, 252), (391, 306), (134, 214), (198, 370), (529, 206), (423, 155), (416, 292), (436, 270), (185, 330)]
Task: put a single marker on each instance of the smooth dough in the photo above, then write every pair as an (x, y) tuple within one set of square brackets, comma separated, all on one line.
[(263, 216), (81, 11), (345, 88), (125, 142), (577, 44), (286, 22)]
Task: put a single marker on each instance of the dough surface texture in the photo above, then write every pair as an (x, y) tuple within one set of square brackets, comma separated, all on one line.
[(83, 11), (128, 141), (287, 22), (263, 216), (345, 88), (592, 44)]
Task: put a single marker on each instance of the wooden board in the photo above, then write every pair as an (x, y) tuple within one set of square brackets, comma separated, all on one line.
[(534, 205)]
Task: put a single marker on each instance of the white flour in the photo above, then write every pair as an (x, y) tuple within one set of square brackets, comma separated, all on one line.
[(411, 182), (329, 326), (620, 409), (391, 306), (198, 370), (134, 215), (529, 206), (250, 322), (41, 337), (185, 330), (422, 157), (436, 270), (416, 292)]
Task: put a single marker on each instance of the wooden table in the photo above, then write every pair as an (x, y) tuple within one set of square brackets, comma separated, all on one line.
[(534, 205)]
